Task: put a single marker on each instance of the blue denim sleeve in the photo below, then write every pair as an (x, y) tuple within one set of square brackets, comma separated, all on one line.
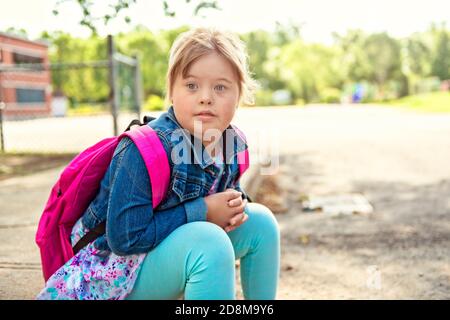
[(131, 225), (196, 210)]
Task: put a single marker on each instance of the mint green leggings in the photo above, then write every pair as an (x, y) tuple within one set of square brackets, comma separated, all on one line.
[(197, 260)]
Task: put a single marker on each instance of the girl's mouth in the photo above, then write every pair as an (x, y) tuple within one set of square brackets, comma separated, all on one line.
[(205, 115)]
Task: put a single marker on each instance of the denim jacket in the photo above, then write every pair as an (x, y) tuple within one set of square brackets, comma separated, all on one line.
[(124, 199)]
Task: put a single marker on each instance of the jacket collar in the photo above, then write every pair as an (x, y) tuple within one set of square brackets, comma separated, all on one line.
[(232, 143)]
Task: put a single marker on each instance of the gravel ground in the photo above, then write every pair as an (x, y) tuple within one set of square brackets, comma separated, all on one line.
[(400, 162)]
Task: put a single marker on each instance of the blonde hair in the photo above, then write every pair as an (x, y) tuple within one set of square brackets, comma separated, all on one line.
[(193, 44)]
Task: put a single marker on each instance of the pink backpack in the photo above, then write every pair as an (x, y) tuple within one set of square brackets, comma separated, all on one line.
[(80, 181)]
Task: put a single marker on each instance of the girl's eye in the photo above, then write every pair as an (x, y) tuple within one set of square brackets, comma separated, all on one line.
[(221, 87), (191, 86)]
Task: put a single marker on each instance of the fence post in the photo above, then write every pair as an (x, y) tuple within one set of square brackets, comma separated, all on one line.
[(113, 84), (2, 142), (2, 107), (137, 86)]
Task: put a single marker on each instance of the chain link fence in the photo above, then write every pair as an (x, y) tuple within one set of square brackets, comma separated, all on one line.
[(65, 106)]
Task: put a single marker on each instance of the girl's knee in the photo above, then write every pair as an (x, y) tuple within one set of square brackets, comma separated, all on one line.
[(263, 219), (211, 240)]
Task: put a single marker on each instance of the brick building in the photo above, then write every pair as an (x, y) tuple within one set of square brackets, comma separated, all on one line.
[(25, 93)]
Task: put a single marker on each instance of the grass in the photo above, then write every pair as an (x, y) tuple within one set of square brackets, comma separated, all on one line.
[(88, 109), (427, 102), (95, 109)]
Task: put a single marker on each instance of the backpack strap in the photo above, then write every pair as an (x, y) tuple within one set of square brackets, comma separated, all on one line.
[(155, 158), (243, 156), (136, 122), (93, 234)]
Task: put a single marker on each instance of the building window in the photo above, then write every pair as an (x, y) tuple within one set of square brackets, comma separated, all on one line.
[(23, 58), (30, 95)]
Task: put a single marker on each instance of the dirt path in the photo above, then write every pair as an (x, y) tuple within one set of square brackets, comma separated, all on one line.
[(399, 161), (404, 243)]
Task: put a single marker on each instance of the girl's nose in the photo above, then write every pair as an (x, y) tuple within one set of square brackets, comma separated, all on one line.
[(205, 102), (206, 98)]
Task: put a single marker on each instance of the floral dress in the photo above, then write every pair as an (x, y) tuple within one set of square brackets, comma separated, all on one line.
[(93, 274)]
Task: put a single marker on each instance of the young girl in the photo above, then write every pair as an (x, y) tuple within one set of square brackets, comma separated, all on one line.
[(187, 246)]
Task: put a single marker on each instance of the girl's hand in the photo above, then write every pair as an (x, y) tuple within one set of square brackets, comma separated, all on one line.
[(218, 209), (236, 221), (239, 218)]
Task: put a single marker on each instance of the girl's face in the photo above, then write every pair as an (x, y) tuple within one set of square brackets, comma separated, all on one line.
[(208, 97)]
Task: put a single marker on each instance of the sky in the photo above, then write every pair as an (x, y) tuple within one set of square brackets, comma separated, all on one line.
[(318, 18)]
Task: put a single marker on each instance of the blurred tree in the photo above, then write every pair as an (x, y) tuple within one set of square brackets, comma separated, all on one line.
[(152, 54), (354, 61), (279, 60), (169, 36), (85, 84), (307, 69), (441, 61), (286, 33), (419, 55), (264, 50), (416, 58), (384, 55), (258, 44), (374, 58)]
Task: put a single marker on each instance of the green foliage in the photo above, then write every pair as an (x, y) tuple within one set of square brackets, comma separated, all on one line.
[(353, 60), (300, 102), (441, 63), (263, 98), (86, 84), (383, 52), (152, 53), (83, 109), (330, 95), (280, 60), (307, 69), (258, 44), (428, 102), (154, 103), (418, 55)]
